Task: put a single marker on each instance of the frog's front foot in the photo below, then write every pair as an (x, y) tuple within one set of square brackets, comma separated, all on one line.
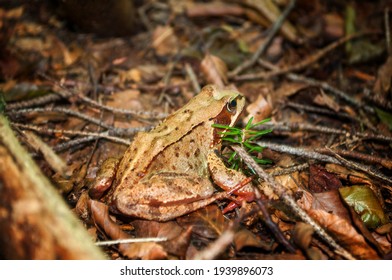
[(232, 181), (104, 179)]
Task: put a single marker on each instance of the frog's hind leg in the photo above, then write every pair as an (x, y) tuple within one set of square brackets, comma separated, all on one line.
[(166, 213), (164, 196), (231, 181)]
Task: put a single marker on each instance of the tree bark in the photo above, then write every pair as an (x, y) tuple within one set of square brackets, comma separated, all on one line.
[(35, 222)]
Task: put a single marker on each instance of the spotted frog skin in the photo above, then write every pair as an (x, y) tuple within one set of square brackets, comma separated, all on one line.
[(169, 171)]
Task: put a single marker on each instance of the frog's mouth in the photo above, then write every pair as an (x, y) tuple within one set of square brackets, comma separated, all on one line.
[(227, 117)]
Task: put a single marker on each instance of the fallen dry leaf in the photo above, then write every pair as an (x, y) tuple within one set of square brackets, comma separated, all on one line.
[(214, 69), (345, 233), (382, 86), (143, 250), (302, 237), (208, 222), (323, 99), (244, 238), (320, 180), (164, 41), (259, 109)]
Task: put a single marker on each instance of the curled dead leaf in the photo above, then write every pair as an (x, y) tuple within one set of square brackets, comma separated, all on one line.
[(214, 69), (259, 109), (345, 233), (245, 238), (144, 250), (164, 41)]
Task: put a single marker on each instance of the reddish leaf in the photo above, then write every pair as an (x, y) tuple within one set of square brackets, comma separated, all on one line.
[(330, 202), (345, 233), (321, 180)]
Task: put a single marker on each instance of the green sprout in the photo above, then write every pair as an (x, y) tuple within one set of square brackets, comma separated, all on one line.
[(2, 103), (245, 137)]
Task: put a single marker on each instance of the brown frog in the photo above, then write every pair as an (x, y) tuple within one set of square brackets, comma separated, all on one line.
[(167, 172)]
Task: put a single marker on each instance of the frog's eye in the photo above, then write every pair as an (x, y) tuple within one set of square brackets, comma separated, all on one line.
[(232, 105)]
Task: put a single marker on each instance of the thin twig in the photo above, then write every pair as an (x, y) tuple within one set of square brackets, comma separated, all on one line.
[(318, 110), (358, 166), (134, 113), (290, 202), (301, 152), (282, 126), (103, 135), (66, 93), (74, 142), (311, 59), (272, 226), (324, 85), (387, 163), (113, 130), (307, 153), (130, 240), (264, 46), (49, 98), (192, 76)]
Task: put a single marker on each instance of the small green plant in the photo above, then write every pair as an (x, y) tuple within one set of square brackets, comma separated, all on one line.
[(246, 137), (2, 103)]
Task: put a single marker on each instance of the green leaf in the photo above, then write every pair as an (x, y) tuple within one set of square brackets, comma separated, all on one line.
[(2, 103), (385, 117), (350, 24), (366, 204), (217, 125), (261, 122), (249, 124), (228, 139), (263, 161), (256, 148)]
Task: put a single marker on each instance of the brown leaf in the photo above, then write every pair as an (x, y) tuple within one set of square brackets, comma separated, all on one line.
[(382, 87), (178, 238), (303, 235), (214, 69), (208, 222), (143, 250), (212, 9), (270, 10), (330, 202), (323, 99), (245, 238), (165, 41), (179, 245), (333, 25), (361, 227), (345, 233), (146, 228), (260, 109), (321, 180)]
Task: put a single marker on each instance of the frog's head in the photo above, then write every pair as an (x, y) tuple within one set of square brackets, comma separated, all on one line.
[(232, 106), (225, 107)]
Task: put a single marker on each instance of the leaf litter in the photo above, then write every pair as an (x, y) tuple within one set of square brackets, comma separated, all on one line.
[(319, 98)]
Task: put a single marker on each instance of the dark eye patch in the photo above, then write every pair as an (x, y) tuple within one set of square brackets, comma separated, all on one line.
[(232, 105)]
